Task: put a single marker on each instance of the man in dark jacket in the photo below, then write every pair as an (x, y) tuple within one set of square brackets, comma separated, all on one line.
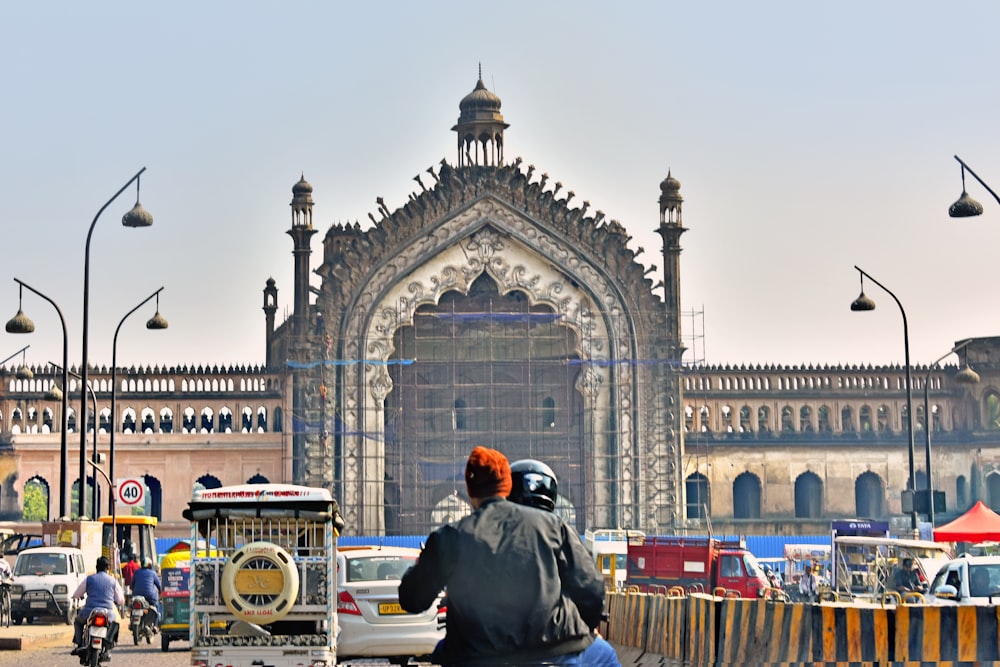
[(521, 587)]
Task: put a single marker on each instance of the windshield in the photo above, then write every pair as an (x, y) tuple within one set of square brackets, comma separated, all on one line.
[(984, 580), (751, 565), (377, 568), (40, 564)]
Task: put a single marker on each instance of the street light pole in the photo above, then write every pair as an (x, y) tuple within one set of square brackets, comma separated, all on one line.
[(83, 479), (863, 303), (156, 322), (136, 217), (964, 376), (18, 325)]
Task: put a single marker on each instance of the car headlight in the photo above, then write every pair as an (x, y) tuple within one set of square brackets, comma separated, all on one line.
[(60, 589)]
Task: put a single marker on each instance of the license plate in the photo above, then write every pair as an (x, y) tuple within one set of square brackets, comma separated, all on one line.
[(38, 605), (99, 631), (136, 616), (389, 608)]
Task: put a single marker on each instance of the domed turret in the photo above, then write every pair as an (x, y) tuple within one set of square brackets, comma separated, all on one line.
[(670, 200), (480, 124), (302, 203)]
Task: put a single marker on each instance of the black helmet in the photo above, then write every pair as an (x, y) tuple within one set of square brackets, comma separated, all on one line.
[(533, 484)]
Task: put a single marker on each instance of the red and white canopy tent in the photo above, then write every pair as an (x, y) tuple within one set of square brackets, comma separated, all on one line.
[(979, 524)]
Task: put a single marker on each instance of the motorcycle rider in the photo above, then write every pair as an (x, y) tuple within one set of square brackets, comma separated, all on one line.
[(522, 590), (534, 484), (146, 582), (103, 592)]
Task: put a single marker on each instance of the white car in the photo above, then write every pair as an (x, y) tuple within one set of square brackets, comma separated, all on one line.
[(44, 580), (372, 624), (967, 580)]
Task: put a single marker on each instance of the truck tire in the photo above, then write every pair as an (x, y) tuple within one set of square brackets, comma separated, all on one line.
[(164, 643), (260, 583)]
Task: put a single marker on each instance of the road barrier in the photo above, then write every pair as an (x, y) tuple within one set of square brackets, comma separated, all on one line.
[(709, 631)]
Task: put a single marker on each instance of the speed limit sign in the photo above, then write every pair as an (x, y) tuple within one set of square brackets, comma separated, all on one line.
[(131, 492)]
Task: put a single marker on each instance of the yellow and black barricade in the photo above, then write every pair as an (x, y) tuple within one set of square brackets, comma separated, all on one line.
[(700, 630), (845, 633), (941, 634)]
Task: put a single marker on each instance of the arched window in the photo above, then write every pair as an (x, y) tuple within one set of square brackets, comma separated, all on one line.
[(823, 419), (764, 419), (746, 426), (991, 413), (696, 491), (869, 496), (847, 420), (548, 412), (961, 492), (808, 496), (866, 419), (746, 496), (787, 419), (805, 419)]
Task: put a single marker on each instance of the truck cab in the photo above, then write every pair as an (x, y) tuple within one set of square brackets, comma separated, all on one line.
[(696, 564)]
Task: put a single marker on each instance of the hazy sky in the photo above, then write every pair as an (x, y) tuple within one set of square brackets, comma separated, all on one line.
[(808, 138)]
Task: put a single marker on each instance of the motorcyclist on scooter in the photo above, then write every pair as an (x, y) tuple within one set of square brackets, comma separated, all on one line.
[(534, 484), (102, 592), (522, 589), (146, 582)]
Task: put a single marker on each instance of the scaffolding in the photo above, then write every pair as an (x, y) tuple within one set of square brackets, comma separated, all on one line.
[(495, 370)]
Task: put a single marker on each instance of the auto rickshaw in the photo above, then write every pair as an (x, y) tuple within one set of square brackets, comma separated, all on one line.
[(175, 598)]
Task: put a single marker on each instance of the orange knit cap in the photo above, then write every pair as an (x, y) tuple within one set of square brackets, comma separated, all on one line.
[(487, 473)]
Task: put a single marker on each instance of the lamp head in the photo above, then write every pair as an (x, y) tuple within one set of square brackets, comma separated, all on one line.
[(965, 207), (862, 303), (24, 373), (20, 323), (157, 321), (967, 376), (137, 217), (54, 393)]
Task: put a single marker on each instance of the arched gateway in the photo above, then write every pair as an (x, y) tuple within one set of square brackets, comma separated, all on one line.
[(487, 310)]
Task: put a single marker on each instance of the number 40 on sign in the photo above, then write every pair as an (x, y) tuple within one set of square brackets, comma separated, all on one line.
[(131, 492)]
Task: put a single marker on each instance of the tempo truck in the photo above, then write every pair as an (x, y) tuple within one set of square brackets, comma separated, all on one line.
[(697, 564)]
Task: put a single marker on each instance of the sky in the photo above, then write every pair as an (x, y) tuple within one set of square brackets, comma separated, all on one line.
[(808, 137)]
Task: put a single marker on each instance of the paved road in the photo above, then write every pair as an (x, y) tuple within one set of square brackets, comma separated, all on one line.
[(48, 645)]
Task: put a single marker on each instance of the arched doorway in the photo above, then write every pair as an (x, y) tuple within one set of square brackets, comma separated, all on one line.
[(808, 496), (746, 496), (869, 496)]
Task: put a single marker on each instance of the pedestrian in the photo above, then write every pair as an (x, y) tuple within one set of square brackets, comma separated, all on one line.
[(129, 569), (522, 590), (102, 591), (807, 584)]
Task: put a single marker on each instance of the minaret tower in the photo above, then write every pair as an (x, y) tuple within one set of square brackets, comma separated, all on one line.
[(671, 229), (298, 348), (480, 125)]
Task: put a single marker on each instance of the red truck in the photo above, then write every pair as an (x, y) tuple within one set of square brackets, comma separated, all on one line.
[(696, 563)]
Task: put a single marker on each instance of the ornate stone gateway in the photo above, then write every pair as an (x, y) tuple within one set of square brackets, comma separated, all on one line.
[(485, 311)]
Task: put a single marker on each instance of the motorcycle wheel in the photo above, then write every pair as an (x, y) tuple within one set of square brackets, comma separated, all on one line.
[(68, 615), (164, 643), (95, 657), (135, 636)]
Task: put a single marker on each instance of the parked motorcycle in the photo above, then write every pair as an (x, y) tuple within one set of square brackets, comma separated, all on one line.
[(98, 637), (142, 620)]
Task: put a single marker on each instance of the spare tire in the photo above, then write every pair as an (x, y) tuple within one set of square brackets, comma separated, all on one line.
[(260, 583)]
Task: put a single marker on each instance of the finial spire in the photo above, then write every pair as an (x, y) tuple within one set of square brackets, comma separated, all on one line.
[(480, 70)]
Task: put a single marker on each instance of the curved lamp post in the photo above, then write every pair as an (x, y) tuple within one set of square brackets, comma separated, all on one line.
[(97, 424), (964, 376), (136, 217), (21, 324), (156, 322), (863, 303), (966, 206)]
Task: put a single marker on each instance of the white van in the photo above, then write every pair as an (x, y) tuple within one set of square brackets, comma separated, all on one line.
[(44, 580)]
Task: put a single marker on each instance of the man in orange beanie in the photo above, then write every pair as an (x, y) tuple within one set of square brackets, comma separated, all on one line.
[(522, 590)]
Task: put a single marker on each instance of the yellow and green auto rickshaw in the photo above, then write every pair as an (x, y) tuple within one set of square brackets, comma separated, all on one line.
[(175, 598)]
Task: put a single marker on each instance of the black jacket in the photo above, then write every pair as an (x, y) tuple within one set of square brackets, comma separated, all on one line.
[(520, 585)]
